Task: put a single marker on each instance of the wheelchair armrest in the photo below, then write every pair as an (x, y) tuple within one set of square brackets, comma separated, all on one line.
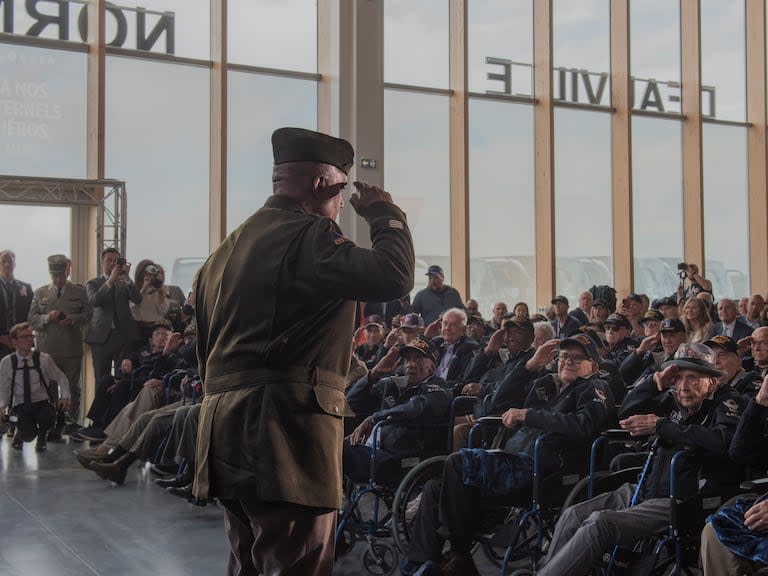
[(616, 434), (759, 485), (462, 405), (486, 422)]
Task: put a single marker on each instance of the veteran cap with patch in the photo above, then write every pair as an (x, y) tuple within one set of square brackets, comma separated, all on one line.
[(374, 320), (724, 343), (423, 346), (672, 325), (694, 356), (515, 321), (618, 320), (586, 343), (652, 316), (58, 263), (300, 145), (435, 270), (412, 320)]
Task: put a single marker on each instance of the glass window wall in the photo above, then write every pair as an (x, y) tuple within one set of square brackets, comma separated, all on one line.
[(723, 59)]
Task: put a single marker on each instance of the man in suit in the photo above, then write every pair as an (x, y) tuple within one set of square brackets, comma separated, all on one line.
[(112, 332), (15, 299), (59, 314), (583, 311), (730, 325), (274, 366)]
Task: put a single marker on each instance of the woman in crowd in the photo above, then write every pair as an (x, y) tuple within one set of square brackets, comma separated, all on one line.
[(696, 320)]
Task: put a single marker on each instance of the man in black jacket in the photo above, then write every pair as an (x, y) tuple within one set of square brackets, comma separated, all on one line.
[(418, 397), (573, 405), (678, 405), (647, 358)]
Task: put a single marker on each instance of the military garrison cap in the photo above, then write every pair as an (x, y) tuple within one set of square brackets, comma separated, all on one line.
[(299, 145), (58, 263)]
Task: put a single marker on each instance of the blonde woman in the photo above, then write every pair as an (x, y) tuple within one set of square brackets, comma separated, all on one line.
[(696, 320)]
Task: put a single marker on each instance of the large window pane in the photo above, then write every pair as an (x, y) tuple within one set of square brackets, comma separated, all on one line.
[(723, 59), (416, 42), (416, 172), (274, 33), (51, 225), (583, 204), (181, 27), (655, 53), (157, 140), (502, 204), (726, 212), (258, 105), (657, 204), (42, 112), (581, 43), (501, 46)]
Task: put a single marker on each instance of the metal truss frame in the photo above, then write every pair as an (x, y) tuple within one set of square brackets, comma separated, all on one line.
[(107, 196)]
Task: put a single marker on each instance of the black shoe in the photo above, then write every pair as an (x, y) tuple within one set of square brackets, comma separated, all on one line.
[(164, 469), (55, 435), (17, 444), (110, 471), (41, 446), (71, 428), (11, 429), (181, 491), (93, 434), (175, 482)]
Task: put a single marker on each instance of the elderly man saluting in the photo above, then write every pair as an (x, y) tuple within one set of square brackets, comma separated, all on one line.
[(275, 314)]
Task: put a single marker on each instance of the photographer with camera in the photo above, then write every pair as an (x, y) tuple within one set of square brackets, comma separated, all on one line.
[(28, 379), (112, 332), (156, 300), (691, 282)]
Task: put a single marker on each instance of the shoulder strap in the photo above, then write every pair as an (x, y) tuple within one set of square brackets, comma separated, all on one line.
[(36, 366), (14, 368)]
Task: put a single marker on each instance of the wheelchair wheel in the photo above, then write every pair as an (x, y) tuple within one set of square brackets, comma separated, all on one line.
[(380, 559), (580, 491), (408, 497)]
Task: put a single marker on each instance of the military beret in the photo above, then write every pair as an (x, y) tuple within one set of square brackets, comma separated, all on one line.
[(299, 145), (58, 263)]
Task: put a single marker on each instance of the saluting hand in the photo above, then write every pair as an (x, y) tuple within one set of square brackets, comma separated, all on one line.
[(386, 365), (495, 342), (666, 378), (544, 355), (433, 329), (648, 343), (366, 195)]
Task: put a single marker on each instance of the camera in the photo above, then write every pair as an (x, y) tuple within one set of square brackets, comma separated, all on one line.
[(682, 270), (121, 261), (154, 273)]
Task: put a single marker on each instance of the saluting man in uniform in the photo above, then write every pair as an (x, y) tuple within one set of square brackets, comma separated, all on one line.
[(59, 315), (275, 313)]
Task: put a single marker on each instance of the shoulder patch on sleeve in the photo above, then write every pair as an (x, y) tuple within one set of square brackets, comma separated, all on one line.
[(600, 395), (732, 408), (396, 224), (337, 237)]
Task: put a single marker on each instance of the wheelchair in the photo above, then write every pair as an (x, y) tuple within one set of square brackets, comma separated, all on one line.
[(382, 509)]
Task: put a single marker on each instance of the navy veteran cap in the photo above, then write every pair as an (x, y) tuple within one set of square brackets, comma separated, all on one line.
[(560, 299), (374, 320), (652, 316), (58, 263), (694, 356), (618, 320), (634, 298), (584, 342), (423, 346), (667, 301), (724, 343), (412, 320), (672, 325), (514, 321), (435, 270), (300, 145)]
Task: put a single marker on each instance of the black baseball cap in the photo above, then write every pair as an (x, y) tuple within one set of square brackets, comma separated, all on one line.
[(672, 325), (724, 343), (617, 319), (512, 321), (584, 342), (435, 270), (423, 346), (560, 299)]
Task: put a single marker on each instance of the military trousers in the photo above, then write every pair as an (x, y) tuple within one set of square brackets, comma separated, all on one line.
[(279, 539), (72, 367)]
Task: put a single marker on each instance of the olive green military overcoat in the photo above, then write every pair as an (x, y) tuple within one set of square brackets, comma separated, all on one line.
[(275, 313)]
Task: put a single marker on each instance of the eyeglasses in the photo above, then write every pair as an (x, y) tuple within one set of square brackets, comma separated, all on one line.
[(575, 358)]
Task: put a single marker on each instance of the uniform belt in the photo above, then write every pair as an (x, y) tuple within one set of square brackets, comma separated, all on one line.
[(257, 376)]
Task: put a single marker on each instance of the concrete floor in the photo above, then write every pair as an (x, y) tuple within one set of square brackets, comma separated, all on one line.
[(58, 519)]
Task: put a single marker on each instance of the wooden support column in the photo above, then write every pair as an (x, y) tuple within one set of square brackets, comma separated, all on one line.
[(217, 222), (757, 155), (693, 177), (621, 149), (459, 156), (544, 151)]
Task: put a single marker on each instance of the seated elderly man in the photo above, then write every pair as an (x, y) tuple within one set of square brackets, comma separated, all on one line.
[(728, 361), (372, 349), (684, 407), (735, 540), (490, 366), (574, 405), (455, 349), (647, 358), (419, 396)]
